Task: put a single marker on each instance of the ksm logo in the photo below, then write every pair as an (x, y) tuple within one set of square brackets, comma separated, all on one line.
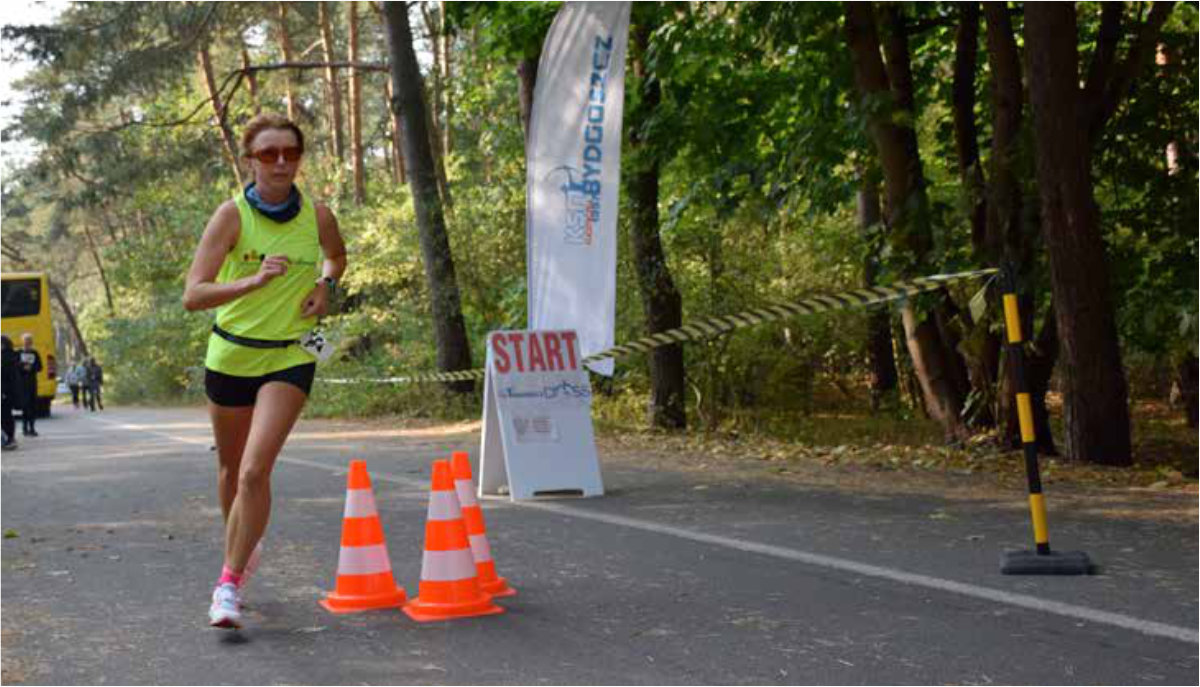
[(581, 204)]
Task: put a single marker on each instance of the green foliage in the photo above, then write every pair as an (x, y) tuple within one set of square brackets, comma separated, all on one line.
[(759, 138), (506, 30), (1150, 210)]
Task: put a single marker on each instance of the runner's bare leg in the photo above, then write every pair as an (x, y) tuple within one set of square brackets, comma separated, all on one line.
[(231, 426), (275, 412)]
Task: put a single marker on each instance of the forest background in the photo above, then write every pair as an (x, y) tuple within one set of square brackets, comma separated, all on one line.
[(773, 151)]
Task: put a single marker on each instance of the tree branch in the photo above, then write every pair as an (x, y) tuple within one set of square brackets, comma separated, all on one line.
[(365, 66), (1121, 85), (14, 254), (186, 119), (1105, 56), (316, 44)]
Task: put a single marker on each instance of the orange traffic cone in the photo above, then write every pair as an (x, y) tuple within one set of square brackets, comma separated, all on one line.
[(464, 486), (364, 575), (449, 583)]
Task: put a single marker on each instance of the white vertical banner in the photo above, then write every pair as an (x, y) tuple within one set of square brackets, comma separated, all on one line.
[(573, 158)]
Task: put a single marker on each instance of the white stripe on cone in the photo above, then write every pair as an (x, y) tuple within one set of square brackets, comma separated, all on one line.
[(466, 492), (443, 505), (360, 503), (364, 560), (447, 566), (480, 549)]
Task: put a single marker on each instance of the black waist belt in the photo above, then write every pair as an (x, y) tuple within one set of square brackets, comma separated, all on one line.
[(252, 343)]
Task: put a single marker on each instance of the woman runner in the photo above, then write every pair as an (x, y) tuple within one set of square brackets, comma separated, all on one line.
[(268, 262)]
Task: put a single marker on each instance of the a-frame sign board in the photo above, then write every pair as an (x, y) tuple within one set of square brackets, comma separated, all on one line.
[(537, 418)]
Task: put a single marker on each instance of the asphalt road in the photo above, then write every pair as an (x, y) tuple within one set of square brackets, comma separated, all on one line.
[(670, 578)]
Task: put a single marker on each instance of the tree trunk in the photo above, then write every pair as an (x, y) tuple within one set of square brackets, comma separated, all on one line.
[(251, 81), (434, 31), (1039, 368), (909, 384), (527, 76), (453, 350), (966, 134), (356, 147), (434, 113), (214, 97), (661, 301), (439, 160), (87, 232), (1094, 389), (1041, 355), (439, 42), (1004, 238), (285, 46), (879, 327), (1007, 237), (906, 202), (1186, 374), (397, 134), (447, 94), (333, 86), (70, 315)]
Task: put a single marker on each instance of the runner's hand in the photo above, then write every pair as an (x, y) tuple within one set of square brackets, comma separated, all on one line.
[(316, 303), (272, 266)]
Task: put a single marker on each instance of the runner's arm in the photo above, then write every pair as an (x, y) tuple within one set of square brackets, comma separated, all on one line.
[(316, 303), (332, 244), (220, 236)]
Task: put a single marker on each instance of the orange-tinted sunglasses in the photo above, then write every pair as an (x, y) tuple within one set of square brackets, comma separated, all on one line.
[(269, 156)]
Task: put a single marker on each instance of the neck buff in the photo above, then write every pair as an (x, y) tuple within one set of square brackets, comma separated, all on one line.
[(281, 212)]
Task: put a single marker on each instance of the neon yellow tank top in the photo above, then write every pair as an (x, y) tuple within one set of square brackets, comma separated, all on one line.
[(272, 312)]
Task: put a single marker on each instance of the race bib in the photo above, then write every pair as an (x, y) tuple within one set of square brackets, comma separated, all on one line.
[(317, 345)]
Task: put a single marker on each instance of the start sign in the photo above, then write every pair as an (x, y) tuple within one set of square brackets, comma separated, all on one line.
[(537, 417)]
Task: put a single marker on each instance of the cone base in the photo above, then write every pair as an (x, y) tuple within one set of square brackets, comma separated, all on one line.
[(335, 603), (424, 611), (497, 587)]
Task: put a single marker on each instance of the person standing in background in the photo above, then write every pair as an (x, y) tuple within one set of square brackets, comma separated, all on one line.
[(10, 386), (29, 364), (85, 389), (95, 380), (75, 381)]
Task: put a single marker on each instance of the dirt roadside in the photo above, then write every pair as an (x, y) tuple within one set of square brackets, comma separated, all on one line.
[(974, 472)]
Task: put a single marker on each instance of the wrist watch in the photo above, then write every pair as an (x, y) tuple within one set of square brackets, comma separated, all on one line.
[(329, 282)]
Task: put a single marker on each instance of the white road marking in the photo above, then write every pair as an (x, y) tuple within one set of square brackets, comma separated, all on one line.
[(1127, 622), (1149, 627)]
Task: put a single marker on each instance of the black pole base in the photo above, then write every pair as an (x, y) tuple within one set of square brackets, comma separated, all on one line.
[(1055, 563)]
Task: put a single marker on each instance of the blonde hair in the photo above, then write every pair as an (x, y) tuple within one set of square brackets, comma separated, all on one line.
[(269, 120)]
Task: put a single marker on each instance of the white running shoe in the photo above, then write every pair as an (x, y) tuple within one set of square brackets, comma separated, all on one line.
[(226, 609), (251, 565)]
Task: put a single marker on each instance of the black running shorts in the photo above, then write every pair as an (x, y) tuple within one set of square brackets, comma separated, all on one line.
[(233, 391)]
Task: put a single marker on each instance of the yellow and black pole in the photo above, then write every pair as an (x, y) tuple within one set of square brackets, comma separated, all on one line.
[(1040, 561)]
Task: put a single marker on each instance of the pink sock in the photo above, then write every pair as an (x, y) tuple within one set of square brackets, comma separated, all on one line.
[(229, 576)]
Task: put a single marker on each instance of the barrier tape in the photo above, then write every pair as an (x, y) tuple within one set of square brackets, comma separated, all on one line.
[(715, 326)]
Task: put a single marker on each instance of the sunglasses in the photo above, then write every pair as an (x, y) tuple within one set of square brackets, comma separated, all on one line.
[(269, 156)]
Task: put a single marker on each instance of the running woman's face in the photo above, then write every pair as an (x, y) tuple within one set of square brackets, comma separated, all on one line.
[(274, 158)]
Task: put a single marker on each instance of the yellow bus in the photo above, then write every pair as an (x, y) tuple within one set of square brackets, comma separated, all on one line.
[(26, 308)]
